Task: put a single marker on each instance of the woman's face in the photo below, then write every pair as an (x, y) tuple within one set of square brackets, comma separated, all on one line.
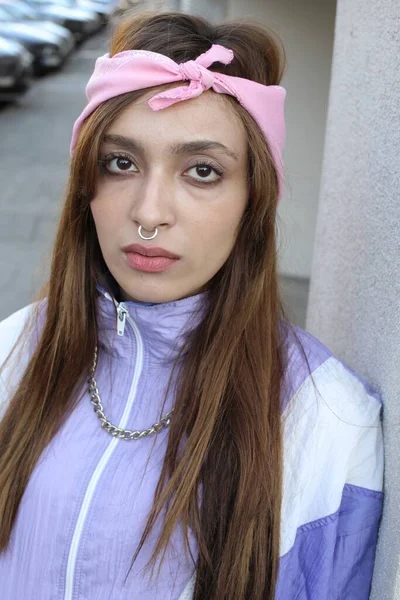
[(183, 170)]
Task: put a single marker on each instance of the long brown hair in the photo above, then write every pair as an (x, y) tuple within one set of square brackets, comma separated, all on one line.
[(233, 362)]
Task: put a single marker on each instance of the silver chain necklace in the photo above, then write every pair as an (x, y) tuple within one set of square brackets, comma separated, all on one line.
[(123, 434)]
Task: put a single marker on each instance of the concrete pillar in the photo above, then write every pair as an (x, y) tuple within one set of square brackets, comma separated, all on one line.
[(354, 304)]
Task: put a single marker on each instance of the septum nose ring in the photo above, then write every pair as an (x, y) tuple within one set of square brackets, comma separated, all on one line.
[(147, 238)]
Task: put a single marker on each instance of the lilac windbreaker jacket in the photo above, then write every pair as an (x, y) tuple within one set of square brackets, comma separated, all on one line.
[(86, 503)]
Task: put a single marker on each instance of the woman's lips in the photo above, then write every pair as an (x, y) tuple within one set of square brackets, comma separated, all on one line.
[(149, 251), (149, 264)]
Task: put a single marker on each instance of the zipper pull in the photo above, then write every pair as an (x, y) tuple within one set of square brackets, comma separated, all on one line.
[(121, 320)]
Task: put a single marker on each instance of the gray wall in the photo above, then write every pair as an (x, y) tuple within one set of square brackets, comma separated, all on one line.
[(354, 302), (307, 30), (210, 9)]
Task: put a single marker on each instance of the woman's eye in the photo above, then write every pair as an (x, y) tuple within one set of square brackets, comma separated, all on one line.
[(205, 173), (119, 164)]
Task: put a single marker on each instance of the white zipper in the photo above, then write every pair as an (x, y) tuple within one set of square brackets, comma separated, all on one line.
[(122, 313), (121, 319), (73, 552)]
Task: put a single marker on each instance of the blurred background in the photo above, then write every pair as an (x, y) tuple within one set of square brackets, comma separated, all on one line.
[(47, 53)]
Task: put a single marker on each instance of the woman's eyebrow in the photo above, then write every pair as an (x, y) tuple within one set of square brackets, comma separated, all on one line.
[(200, 146), (177, 148), (124, 142)]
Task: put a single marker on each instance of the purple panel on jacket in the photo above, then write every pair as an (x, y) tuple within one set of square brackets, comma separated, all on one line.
[(333, 557)]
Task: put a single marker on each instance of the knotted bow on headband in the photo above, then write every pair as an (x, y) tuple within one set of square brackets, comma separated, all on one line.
[(139, 69)]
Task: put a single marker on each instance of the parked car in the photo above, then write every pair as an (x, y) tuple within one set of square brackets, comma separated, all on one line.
[(49, 50), (25, 14), (82, 23), (15, 70)]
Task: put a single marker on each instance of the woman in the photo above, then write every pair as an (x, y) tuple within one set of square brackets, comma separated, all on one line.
[(262, 474)]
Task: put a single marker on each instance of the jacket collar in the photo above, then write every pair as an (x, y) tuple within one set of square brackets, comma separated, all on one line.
[(162, 326)]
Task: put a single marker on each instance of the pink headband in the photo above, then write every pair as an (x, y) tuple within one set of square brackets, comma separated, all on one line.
[(139, 69)]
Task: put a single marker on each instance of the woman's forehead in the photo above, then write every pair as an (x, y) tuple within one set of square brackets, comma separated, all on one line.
[(209, 116)]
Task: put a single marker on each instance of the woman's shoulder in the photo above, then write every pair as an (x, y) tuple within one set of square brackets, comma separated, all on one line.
[(332, 438), (312, 368), (12, 327), (11, 331)]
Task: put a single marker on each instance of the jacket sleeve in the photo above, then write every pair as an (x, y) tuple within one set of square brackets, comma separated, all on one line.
[(359, 517), (10, 371)]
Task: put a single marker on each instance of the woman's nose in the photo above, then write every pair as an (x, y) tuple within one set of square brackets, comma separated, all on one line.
[(152, 205)]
